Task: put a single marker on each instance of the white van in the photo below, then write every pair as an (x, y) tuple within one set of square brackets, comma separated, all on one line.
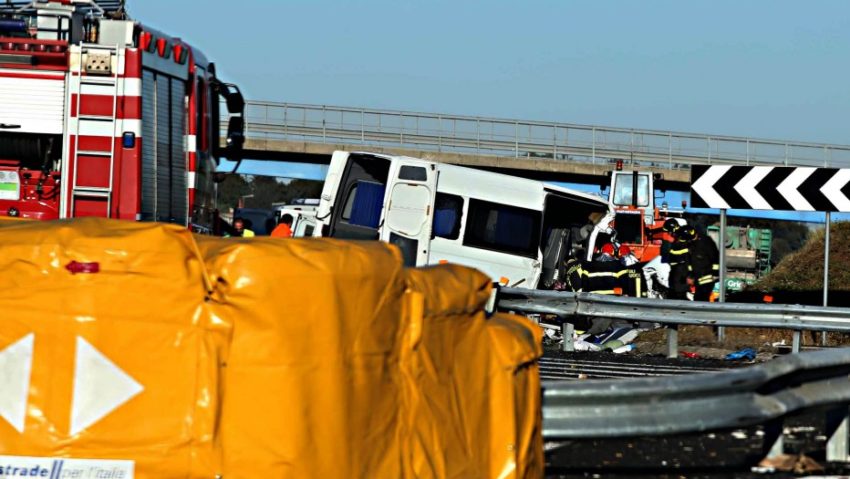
[(303, 212), (513, 229)]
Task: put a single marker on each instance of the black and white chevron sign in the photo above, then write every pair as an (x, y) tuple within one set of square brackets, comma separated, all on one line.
[(771, 188)]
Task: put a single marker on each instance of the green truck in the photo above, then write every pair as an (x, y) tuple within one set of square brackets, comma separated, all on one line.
[(748, 254)]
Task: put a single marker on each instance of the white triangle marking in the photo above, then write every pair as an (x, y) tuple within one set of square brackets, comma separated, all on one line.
[(99, 387), (747, 187), (704, 186), (788, 189), (832, 190), (15, 368)]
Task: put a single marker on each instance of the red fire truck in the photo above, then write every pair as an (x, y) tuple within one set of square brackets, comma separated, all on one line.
[(103, 116)]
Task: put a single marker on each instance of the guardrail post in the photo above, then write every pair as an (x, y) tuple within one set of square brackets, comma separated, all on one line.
[(401, 128), (478, 136), (324, 128), (670, 150), (516, 139), (286, 121), (795, 341), (837, 422), (593, 146), (439, 133), (554, 143), (774, 443), (567, 330), (673, 341)]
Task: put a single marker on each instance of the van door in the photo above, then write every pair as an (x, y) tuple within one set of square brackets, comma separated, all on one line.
[(409, 212), (339, 160)]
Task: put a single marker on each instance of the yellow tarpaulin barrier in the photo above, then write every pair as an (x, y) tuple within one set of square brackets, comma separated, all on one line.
[(188, 357), (106, 351)]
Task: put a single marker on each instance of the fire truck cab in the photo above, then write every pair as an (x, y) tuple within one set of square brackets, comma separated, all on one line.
[(103, 116), (637, 221)]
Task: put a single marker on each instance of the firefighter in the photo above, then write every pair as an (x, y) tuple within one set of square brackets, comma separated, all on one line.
[(604, 275), (704, 265), (572, 276), (679, 260)]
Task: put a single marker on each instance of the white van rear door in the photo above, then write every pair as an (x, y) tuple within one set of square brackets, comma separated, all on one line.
[(329, 191), (409, 212)]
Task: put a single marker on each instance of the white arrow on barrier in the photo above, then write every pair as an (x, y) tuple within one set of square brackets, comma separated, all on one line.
[(832, 190), (15, 368), (99, 387), (788, 189), (704, 186), (747, 187)]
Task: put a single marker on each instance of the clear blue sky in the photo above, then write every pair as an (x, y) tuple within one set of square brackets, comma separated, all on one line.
[(772, 69)]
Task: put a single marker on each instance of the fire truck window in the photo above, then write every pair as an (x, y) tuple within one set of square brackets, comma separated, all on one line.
[(503, 228), (623, 190), (448, 210)]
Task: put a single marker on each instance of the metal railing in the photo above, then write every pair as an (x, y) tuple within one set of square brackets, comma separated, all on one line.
[(672, 313), (755, 395), (535, 140)]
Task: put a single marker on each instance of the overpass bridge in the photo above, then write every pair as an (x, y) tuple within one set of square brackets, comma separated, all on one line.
[(547, 150)]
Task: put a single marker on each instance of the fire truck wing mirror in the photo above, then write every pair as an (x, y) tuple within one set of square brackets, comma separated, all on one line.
[(233, 97), (235, 132)]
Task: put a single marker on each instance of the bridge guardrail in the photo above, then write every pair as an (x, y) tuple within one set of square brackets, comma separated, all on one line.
[(672, 313), (762, 394), (527, 139)]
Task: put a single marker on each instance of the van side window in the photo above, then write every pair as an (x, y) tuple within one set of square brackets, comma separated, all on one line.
[(448, 210), (414, 173), (503, 228)]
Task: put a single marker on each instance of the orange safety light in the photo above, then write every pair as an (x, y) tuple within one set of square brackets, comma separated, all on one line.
[(504, 281), (163, 48), (146, 41), (618, 291), (444, 261), (180, 54), (768, 298)]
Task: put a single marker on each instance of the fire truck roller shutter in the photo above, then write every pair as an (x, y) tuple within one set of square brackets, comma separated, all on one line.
[(164, 194), (148, 146), (179, 192), (163, 149)]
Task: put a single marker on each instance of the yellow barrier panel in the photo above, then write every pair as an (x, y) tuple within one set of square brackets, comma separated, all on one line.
[(157, 354), (312, 379), (106, 352), (473, 396)]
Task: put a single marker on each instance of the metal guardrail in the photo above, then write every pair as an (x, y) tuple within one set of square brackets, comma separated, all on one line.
[(762, 394), (672, 313), (526, 139)]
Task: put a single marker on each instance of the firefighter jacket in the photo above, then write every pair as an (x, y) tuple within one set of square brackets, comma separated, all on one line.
[(603, 277), (680, 265), (704, 260), (573, 275)]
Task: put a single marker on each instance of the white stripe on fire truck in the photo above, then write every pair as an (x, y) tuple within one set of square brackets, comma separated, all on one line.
[(105, 128), (190, 179), (126, 87), (191, 143)]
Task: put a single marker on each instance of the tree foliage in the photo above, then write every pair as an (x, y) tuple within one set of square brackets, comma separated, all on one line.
[(262, 191)]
